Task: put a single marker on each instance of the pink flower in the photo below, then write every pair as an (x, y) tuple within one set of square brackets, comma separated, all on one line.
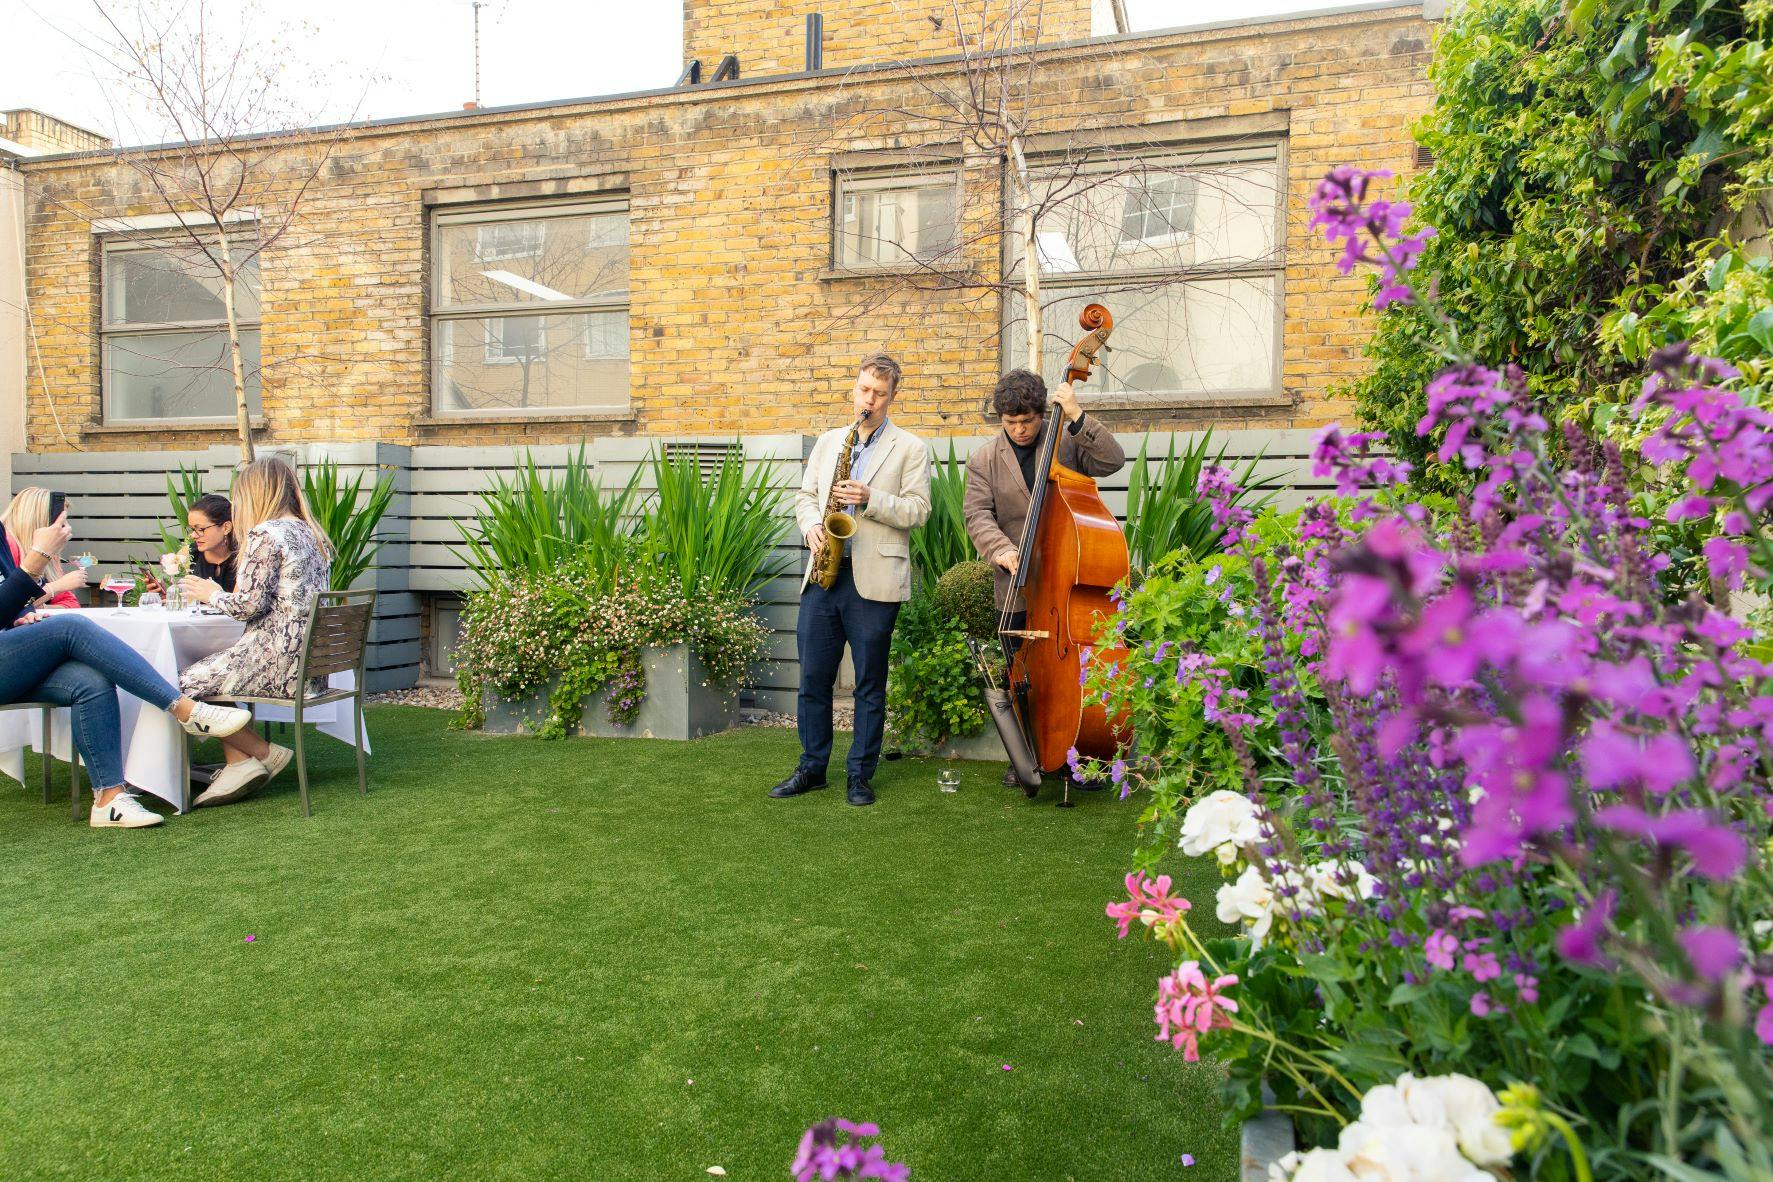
[(1714, 952), (1149, 901), (1440, 948), (1188, 1006)]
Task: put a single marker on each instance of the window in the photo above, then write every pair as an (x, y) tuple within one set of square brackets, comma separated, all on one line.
[(164, 335), (530, 309), (1185, 251), (508, 240), (894, 220)]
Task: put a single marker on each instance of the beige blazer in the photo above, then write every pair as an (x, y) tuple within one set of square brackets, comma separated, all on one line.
[(898, 480), (997, 498)]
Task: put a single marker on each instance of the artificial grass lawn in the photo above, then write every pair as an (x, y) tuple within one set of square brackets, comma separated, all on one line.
[(514, 957)]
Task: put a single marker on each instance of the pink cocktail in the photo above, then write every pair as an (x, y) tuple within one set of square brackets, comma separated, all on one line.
[(118, 585)]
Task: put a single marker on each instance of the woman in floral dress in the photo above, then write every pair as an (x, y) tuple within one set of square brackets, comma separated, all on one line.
[(285, 560)]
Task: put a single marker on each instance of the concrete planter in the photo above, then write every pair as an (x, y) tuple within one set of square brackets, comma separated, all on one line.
[(1263, 1142), (677, 706), (985, 747)]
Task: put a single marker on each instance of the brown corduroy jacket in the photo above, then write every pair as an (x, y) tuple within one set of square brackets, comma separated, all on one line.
[(996, 504)]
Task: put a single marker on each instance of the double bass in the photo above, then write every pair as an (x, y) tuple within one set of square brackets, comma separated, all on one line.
[(1072, 554)]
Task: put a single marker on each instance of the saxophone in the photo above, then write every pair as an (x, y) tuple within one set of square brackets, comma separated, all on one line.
[(839, 524)]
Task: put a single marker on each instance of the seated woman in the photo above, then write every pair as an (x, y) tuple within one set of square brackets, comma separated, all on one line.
[(70, 661), (28, 513), (285, 561), (211, 521)]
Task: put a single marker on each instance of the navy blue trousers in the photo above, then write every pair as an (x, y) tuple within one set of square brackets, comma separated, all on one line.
[(828, 619)]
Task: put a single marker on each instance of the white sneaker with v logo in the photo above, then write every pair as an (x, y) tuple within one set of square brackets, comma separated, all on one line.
[(123, 812)]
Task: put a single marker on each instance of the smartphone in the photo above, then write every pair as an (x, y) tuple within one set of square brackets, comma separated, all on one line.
[(58, 502)]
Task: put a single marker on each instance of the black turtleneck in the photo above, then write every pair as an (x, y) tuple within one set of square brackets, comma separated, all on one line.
[(1026, 453)]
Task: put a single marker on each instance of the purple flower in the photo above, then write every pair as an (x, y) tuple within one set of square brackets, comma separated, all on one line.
[(1440, 948), (1580, 943), (1714, 952), (831, 1149)]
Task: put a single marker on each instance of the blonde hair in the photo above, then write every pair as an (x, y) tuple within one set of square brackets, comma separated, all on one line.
[(267, 489), (28, 513)]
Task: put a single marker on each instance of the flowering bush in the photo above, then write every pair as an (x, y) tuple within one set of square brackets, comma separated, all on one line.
[(528, 630), (1522, 825)]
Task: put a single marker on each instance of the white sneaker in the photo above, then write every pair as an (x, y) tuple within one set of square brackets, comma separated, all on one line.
[(234, 782), (215, 722), (276, 761), (124, 812)]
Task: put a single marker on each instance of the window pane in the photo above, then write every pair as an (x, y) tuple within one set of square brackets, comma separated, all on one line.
[(1159, 218), (534, 261), (177, 375), (534, 363), (174, 284), (890, 226), (1205, 336)]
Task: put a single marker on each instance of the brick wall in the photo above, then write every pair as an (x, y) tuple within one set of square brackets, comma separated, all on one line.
[(35, 130), (769, 36), (736, 324)]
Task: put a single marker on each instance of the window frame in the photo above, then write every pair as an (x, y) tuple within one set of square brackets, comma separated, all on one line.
[(875, 178), (115, 243), (1058, 286), (482, 214)]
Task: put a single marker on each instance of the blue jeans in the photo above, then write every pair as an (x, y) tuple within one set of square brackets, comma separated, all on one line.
[(71, 662), (827, 620)]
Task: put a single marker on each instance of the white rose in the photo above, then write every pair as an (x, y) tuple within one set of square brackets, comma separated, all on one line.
[(1405, 1153), (1227, 855), (1249, 899), (1384, 1107), (1471, 1110), (1282, 1170), (1322, 1165), (1324, 880), (1219, 817), (170, 564), (1423, 1098)]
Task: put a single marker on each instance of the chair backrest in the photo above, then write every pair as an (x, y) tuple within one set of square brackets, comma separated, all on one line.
[(337, 634)]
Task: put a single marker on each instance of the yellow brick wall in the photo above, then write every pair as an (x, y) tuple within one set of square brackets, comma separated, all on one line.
[(769, 36), (736, 326), (34, 129)]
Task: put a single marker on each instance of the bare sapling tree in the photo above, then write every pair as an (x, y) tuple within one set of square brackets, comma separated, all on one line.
[(230, 183), (1054, 201)]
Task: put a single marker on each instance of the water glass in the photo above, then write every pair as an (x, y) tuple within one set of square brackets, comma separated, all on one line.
[(150, 600), (948, 780)]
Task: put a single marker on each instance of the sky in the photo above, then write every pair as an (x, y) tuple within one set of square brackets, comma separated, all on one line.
[(373, 59)]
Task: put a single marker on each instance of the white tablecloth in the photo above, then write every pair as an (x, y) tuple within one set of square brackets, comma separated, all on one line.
[(152, 739)]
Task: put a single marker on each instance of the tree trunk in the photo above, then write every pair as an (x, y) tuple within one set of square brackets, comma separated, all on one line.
[(1022, 190), (242, 412)]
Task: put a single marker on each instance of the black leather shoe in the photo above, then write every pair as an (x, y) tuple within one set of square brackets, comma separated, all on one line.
[(801, 781), (1010, 779), (860, 792)]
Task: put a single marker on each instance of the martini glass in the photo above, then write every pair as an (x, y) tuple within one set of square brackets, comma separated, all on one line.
[(118, 585)]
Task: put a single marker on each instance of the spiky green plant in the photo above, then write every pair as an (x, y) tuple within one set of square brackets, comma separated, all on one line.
[(181, 492), (1165, 512), (941, 541), (349, 526), (536, 523), (717, 531)]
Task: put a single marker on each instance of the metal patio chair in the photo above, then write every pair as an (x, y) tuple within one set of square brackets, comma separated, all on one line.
[(48, 759), (335, 640)]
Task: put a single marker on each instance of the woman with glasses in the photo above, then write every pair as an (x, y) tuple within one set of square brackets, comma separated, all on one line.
[(211, 521)]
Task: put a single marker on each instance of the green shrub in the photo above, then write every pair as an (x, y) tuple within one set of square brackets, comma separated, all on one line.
[(718, 531), (964, 593), (933, 688), (1165, 512), (535, 523)]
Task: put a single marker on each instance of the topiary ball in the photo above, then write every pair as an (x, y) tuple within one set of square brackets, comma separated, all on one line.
[(964, 592)]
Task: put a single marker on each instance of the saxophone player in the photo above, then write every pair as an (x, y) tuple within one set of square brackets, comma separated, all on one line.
[(854, 598)]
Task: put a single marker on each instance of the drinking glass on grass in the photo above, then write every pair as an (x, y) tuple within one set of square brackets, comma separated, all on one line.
[(119, 585)]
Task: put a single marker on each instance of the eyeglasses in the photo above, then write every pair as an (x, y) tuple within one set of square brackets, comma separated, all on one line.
[(202, 529)]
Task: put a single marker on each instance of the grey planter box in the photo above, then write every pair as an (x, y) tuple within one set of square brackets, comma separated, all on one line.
[(677, 705), (985, 747), (1264, 1141)]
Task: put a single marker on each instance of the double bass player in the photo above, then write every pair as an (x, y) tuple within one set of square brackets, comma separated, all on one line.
[(1001, 475)]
